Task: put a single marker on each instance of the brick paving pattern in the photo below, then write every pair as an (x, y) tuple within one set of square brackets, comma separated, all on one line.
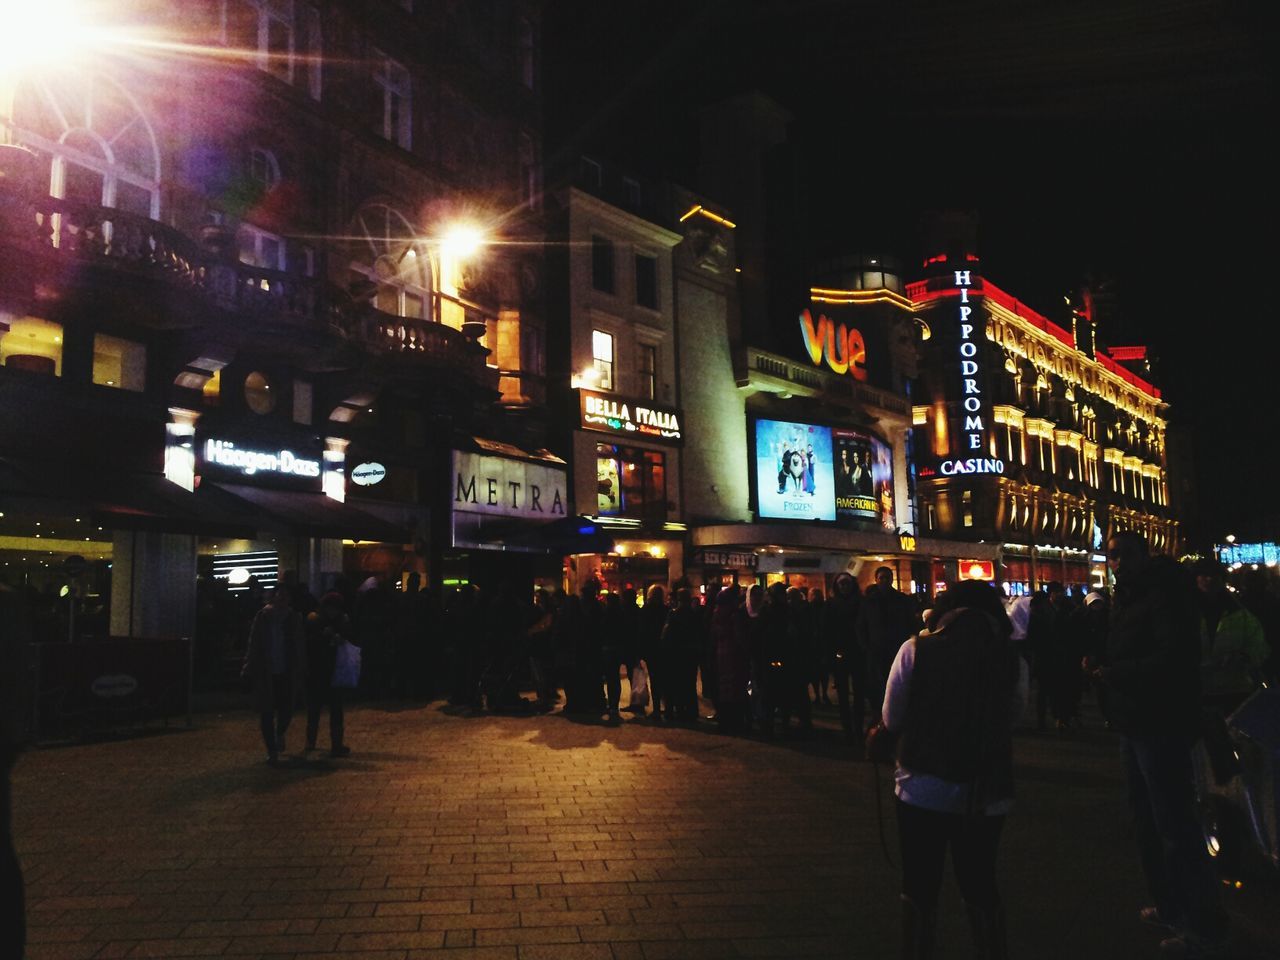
[(522, 838)]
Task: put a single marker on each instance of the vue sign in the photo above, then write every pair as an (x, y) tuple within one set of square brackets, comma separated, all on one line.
[(842, 347)]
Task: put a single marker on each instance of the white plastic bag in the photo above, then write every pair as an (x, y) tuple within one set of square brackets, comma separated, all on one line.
[(346, 666), (639, 686)]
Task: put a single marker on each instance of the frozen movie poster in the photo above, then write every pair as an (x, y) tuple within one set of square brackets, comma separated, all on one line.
[(863, 468), (793, 471)]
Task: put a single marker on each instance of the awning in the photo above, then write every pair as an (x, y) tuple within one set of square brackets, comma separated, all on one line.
[(311, 514), (566, 535), (129, 501)]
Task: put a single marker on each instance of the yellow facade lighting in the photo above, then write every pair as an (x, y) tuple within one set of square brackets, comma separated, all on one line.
[(699, 210), (882, 295)]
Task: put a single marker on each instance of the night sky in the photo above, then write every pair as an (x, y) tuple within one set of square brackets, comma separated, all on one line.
[(1124, 143)]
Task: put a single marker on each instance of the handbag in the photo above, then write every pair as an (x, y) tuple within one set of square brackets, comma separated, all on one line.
[(639, 687), (882, 744), (346, 666)]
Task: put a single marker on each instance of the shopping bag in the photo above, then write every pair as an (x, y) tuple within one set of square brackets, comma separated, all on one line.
[(639, 687), (346, 666)]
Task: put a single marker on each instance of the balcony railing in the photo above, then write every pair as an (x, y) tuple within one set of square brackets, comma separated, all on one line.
[(83, 234)]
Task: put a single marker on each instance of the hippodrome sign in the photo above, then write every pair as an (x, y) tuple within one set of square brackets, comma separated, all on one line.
[(971, 391)]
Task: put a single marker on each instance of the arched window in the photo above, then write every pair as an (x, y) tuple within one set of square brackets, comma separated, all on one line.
[(388, 254), (99, 147)]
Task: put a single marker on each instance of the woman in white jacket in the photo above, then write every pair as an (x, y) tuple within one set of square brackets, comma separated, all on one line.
[(953, 696)]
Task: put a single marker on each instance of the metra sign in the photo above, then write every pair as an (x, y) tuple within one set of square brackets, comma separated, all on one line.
[(641, 419), (841, 347)]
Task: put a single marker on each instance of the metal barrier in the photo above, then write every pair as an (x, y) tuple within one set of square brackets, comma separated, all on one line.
[(109, 683)]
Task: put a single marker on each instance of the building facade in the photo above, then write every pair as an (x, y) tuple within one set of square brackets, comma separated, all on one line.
[(1032, 434), (234, 270)]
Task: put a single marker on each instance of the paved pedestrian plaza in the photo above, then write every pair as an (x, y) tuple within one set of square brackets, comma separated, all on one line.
[(521, 838)]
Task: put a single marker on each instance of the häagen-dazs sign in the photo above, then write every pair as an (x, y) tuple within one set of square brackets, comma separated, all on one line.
[(367, 474), (498, 486)]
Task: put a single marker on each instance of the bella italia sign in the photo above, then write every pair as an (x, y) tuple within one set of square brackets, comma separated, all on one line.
[(638, 419)]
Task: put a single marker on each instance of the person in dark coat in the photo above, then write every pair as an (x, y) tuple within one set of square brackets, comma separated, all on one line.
[(733, 661), (817, 647), (846, 660), (591, 699), (775, 648), (707, 647), (1151, 673), (276, 662), (326, 628), (682, 639), (16, 684), (652, 649), (540, 634), (885, 620), (797, 664)]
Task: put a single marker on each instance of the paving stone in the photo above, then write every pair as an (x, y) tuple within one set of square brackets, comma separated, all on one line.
[(523, 838)]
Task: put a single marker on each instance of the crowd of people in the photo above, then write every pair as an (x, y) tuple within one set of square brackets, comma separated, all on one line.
[(937, 691)]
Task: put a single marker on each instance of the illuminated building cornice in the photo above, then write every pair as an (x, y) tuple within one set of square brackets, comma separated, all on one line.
[(882, 295), (1023, 332)]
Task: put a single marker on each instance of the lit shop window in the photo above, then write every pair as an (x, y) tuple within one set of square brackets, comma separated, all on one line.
[(630, 482), (262, 31), (602, 358), (119, 363), (258, 394), (397, 100), (33, 345)]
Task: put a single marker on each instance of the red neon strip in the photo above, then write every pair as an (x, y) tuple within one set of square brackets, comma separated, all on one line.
[(925, 291), (1127, 353)]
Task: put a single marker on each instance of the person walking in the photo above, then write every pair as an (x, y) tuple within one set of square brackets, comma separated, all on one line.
[(276, 663), (954, 693), (327, 627), (1151, 675)]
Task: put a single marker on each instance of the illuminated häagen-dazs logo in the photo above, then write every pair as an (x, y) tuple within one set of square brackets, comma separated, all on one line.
[(367, 474), (226, 454), (841, 346)]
